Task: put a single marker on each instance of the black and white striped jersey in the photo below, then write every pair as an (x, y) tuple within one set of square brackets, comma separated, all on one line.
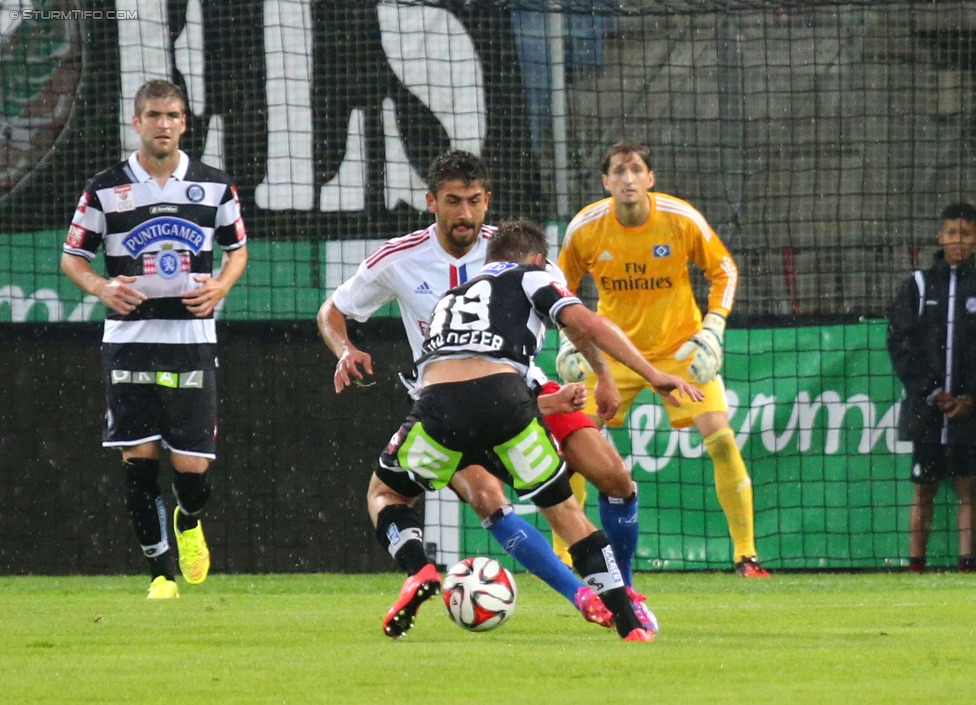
[(162, 237), (499, 314)]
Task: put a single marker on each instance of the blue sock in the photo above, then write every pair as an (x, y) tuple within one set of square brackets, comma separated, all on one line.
[(619, 520), (525, 544)]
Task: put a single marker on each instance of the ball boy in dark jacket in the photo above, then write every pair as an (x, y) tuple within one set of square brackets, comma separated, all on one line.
[(932, 343)]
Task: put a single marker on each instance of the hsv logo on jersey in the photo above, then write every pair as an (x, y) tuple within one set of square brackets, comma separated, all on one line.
[(662, 251), (165, 229), (498, 267)]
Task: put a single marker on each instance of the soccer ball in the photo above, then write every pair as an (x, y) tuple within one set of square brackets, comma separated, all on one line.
[(479, 594), (571, 366)]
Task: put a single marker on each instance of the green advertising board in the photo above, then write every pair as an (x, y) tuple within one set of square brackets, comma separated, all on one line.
[(283, 280), (814, 411)]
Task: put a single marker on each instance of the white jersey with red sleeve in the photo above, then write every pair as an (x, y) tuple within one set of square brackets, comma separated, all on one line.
[(415, 271)]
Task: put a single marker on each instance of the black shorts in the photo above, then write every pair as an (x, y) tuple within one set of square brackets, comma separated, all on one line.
[(932, 462), (178, 409), (493, 422)]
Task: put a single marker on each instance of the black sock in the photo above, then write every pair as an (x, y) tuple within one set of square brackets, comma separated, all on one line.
[(192, 489), (147, 511), (594, 560), (161, 565), (399, 531), (618, 601)]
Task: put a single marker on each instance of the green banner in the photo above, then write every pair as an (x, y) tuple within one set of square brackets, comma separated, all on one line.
[(283, 280), (813, 410)]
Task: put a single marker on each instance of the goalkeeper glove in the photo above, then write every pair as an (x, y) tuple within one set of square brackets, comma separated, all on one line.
[(705, 349), (571, 366)]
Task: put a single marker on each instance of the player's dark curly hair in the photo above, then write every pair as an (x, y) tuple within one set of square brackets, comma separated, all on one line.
[(158, 89), (959, 211), (516, 239), (626, 148), (456, 165)]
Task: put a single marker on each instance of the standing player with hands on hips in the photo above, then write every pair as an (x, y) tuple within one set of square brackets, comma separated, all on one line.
[(475, 408), (158, 216), (637, 246)]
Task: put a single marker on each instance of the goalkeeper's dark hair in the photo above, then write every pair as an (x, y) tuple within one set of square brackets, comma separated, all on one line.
[(626, 148), (959, 211), (516, 239), (157, 89), (456, 165)]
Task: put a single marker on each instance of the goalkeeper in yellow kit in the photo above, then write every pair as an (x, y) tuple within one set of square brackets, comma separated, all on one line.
[(637, 245)]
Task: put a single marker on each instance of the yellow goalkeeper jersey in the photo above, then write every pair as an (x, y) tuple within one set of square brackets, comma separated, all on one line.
[(641, 273)]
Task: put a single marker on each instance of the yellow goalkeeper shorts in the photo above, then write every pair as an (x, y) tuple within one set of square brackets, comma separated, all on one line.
[(631, 384)]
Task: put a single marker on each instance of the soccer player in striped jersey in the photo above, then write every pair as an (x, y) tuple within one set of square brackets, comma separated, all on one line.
[(158, 216), (416, 270), (475, 406), (637, 245)]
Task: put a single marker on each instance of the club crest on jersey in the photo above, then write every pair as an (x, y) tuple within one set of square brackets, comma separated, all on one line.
[(182, 233), (123, 199), (662, 251), (194, 193), (167, 263)]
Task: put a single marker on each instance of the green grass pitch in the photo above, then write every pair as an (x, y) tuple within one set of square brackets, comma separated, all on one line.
[(283, 639)]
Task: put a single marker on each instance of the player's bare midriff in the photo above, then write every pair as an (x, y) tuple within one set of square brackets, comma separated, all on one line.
[(464, 369)]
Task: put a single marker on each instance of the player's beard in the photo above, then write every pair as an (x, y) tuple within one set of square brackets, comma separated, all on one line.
[(158, 150), (462, 241)]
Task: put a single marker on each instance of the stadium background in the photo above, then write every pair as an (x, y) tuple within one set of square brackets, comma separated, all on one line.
[(819, 139)]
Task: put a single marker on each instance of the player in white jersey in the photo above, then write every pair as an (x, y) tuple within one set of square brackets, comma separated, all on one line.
[(415, 270), (158, 217)]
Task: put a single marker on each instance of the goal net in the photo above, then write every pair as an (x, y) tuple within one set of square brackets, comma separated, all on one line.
[(819, 139)]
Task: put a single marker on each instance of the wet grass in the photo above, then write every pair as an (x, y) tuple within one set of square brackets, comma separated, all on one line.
[(254, 639)]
